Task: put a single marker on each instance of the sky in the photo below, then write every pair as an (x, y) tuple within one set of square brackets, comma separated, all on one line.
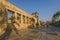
[(45, 8)]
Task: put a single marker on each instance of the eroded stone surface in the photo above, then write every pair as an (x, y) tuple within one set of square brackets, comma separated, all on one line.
[(3, 18)]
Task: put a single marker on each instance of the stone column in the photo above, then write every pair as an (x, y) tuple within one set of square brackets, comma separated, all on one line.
[(14, 15), (21, 18), (28, 21), (25, 20)]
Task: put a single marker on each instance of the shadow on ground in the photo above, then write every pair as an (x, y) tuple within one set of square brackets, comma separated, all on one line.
[(7, 33), (29, 34)]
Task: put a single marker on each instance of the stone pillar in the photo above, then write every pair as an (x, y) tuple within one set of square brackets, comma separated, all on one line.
[(28, 21), (3, 18), (21, 18), (14, 15), (25, 20)]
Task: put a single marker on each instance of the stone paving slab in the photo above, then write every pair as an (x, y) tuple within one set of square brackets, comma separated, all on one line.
[(32, 34)]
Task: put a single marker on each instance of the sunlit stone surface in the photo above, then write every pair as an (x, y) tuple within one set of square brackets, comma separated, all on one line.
[(3, 18)]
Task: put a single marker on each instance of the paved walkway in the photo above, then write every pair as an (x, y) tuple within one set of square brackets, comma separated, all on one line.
[(30, 34)]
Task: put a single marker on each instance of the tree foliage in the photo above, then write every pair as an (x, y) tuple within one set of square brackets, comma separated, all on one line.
[(57, 14), (55, 18)]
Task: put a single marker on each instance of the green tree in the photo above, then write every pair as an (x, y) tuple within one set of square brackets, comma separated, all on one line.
[(55, 18)]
